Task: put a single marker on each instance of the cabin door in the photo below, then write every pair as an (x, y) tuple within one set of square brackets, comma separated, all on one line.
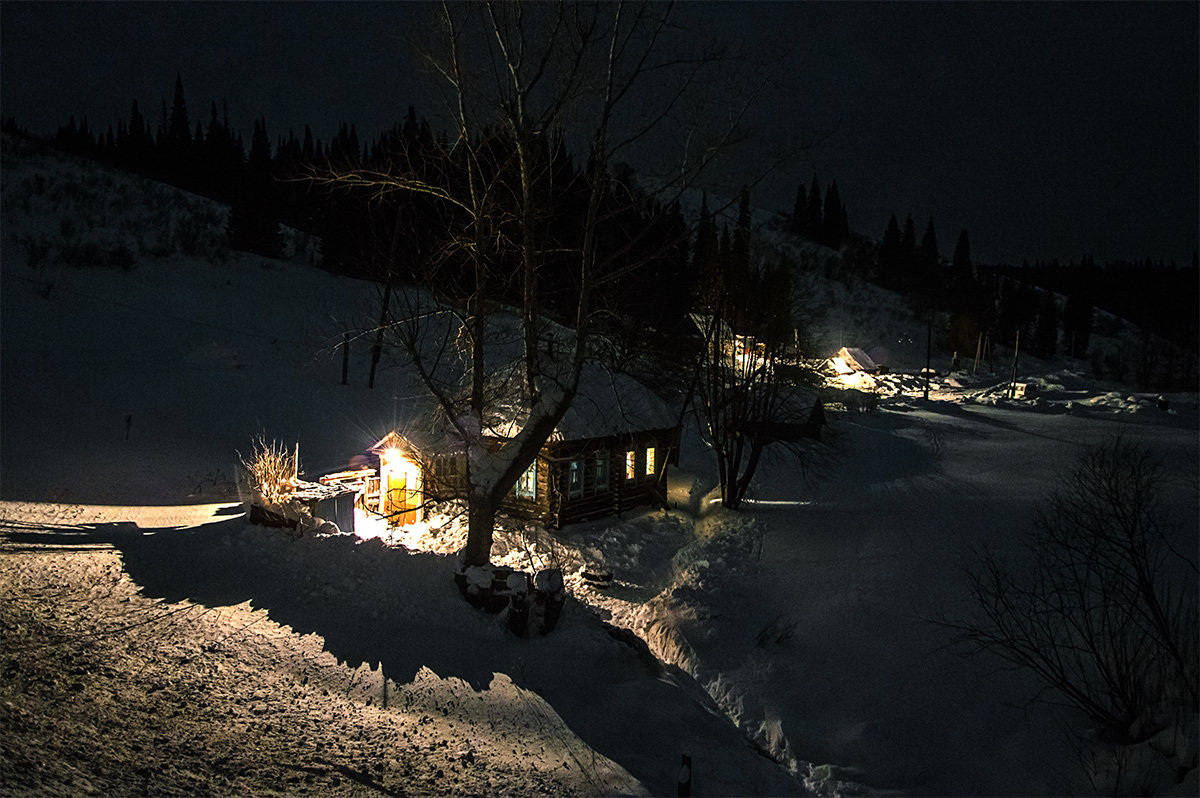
[(401, 488)]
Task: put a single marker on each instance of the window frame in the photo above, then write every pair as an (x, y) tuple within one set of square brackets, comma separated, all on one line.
[(600, 472), (575, 477), (526, 487)]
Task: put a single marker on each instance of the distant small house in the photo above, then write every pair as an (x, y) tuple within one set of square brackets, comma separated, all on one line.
[(851, 360), (813, 412), (608, 454)]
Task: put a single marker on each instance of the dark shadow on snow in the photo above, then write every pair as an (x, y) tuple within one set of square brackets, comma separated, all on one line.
[(401, 610)]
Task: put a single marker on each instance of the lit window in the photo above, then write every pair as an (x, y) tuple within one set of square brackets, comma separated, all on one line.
[(600, 472), (575, 478), (527, 484), (630, 465), (650, 461)]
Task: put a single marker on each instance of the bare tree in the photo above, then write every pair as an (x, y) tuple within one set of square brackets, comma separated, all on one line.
[(749, 396), (1104, 612), (524, 81)]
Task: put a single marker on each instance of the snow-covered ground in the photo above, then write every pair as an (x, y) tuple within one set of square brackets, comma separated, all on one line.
[(155, 642)]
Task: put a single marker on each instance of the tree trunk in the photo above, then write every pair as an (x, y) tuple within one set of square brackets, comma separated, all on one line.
[(739, 483), (481, 521), (377, 349), (742, 484)]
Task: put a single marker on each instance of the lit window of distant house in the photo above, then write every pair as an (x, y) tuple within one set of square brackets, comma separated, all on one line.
[(630, 464), (600, 472), (527, 484), (650, 461), (575, 478)]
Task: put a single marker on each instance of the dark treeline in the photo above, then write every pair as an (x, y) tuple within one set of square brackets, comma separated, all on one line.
[(386, 237), (1052, 306), (268, 184), (1156, 295), (822, 221), (751, 294)]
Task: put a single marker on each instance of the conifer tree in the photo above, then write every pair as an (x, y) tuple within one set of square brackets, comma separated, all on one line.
[(929, 248), (179, 131), (775, 293), (814, 229), (724, 255), (800, 212), (140, 141), (1077, 314), (220, 164), (737, 281), (254, 216), (908, 254), (678, 280), (705, 255), (177, 145), (962, 253), (308, 150), (889, 254), (908, 241), (833, 218), (1044, 342)]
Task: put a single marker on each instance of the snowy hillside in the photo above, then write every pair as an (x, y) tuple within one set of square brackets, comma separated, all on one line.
[(153, 642), (127, 392)]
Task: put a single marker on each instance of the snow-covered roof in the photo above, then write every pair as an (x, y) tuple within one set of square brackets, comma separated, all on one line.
[(610, 403), (704, 323), (606, 403), (850, 359)]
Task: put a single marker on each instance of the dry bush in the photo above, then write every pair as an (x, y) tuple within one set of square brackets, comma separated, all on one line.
[(1105, 612), (270, 472)]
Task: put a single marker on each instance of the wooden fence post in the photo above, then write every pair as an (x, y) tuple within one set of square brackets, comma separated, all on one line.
[(685, 776)]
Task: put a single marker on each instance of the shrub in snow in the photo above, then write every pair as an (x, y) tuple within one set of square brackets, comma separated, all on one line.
[(1106, 616), (776, 632), (270, 473), (549, 596)]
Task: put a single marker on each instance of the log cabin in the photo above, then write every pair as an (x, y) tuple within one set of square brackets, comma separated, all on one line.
[(610, 453)]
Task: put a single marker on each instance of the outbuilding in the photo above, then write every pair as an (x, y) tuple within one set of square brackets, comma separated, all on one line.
[(852, 360)]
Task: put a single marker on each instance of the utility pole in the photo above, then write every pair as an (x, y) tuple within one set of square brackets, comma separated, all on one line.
[(928, 352), (1012, 382)]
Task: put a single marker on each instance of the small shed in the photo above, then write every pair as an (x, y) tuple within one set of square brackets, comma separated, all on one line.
[(791, 432), (851, 360), (330, 502)]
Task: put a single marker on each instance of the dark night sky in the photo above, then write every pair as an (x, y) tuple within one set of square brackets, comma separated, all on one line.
[(1047, 130)]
